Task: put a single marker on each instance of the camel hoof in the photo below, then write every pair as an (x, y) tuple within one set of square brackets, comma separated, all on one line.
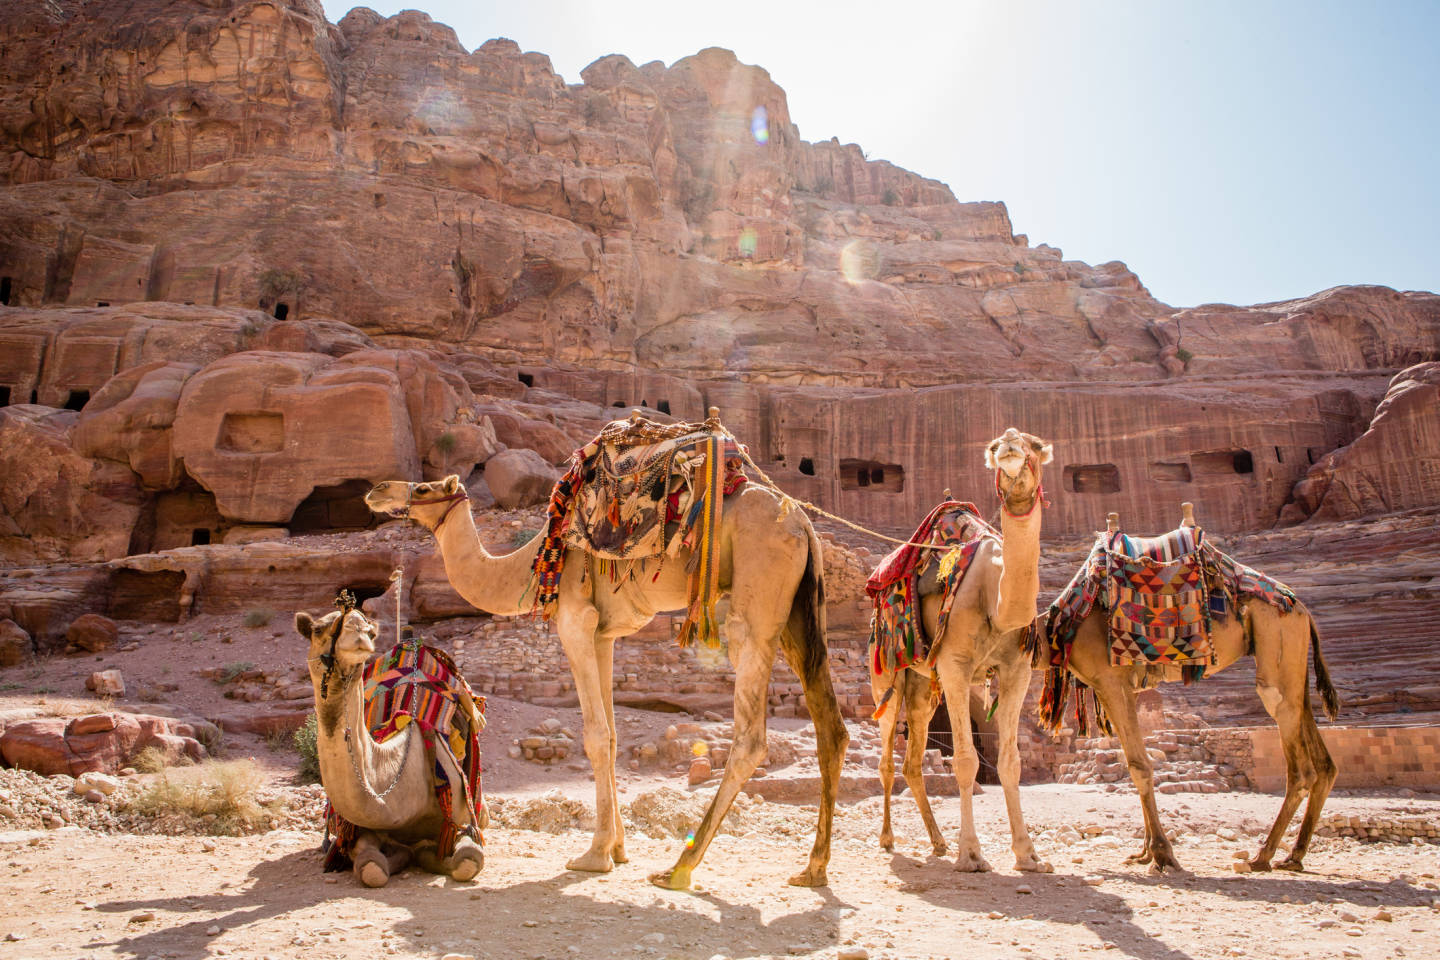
[(1137, 858), (673, 879), (1290, 864), (941, 848), (887, 844), (372, 874), (592, 862), (1259, 866), (617, 855), (972, 863), (1034, 866), (810, 877)]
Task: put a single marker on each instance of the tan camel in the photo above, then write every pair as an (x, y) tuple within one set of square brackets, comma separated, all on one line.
[(985, 631), (386, 789), (1279, 642), (770, 564)]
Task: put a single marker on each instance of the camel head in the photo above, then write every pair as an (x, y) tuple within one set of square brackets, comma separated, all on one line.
[(1016, 459), (426, 503), (353, 638)]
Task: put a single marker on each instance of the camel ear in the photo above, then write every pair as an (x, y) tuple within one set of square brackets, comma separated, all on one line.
[(451, 484), (1045, 450), (304, 624), (990, 455)]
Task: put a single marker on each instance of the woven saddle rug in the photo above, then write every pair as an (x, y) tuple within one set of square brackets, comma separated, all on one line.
[(897, 634), (1161, 596), (418, 684), (639, 491)]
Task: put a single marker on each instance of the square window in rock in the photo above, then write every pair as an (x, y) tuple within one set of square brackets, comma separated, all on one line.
[(1092, 478)]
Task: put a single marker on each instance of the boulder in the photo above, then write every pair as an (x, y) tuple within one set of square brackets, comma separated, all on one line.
[(92, 632), (60, 745), (15, 646), (106, 683), (520, 478)]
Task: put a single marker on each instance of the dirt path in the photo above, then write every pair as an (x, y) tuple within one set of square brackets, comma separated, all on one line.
[(73, 893)]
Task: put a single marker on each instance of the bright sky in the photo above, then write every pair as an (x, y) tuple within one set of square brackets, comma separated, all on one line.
[(1226, 150)]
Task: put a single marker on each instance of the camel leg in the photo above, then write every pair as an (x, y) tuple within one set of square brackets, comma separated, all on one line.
[(919, 708), (372, 866), (1012, 682), (605, 662), (831, 739), (1282, 680), (955, 678), (889, 722), (1117, 696), (576, 626), (752, 659), (466, 861)]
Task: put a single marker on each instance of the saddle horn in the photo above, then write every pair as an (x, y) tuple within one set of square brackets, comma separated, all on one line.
[(714, 413), (1187, 514), (945, 494), (1112, 522)]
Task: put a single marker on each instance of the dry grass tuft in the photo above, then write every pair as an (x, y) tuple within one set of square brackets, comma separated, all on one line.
[(220, 795)]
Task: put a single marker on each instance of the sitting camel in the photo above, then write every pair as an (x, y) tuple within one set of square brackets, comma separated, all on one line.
[(386, 790), (985, 631), (770, 564), (1254, 624)]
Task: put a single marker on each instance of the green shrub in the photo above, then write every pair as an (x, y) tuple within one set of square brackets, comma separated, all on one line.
[(445, 443), (258, 617), (220, 795), (522, 537), (1184, 355), (306, 740), (230, 671), (890, 198), (1019, 269)]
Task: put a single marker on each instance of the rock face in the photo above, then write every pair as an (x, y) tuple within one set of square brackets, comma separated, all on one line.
[(517, 248), (519, 478), (102, 742), (92, 633), (15, 646)]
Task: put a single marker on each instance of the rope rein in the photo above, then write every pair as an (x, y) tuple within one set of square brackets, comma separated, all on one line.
[(790, 501)]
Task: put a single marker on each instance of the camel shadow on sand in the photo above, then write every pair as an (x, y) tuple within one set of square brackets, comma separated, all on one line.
[(529, 918)]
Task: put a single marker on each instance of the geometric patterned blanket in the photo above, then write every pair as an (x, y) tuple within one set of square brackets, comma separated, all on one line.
[(418, 684), (897, 636), (1160, 596), (638, 491)]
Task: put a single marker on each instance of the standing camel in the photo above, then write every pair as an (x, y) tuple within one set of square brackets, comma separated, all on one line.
[(387, 790), (771, 565), (994, 605), (1254, 623)]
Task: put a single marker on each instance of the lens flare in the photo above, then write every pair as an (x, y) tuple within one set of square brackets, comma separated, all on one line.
[(760, 125), (859, 261), (700, 748), (748, 242), (690, 839)]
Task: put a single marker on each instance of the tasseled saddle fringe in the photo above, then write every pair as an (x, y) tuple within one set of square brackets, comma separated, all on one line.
[(1059, 686)]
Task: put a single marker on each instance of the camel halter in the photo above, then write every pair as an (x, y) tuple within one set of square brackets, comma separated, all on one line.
[(453, 500), (1003, 491), (345, 600)]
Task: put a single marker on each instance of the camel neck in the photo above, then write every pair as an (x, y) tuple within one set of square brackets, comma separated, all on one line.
[(356, 770), (1020, 568), (495, 584)]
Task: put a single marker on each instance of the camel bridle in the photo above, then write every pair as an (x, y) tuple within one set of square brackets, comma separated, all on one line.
[(345, 601), (454, 499), (1003, 490)]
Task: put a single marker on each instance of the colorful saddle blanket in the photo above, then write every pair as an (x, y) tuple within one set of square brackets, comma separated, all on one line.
[(414, 683), (897, 636), (643, 490), (1161, 596)]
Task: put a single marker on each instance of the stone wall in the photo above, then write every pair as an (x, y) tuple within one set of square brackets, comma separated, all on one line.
[(1366, 756)]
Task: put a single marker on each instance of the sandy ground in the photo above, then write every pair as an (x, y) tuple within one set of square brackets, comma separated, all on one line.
[(71, 893)]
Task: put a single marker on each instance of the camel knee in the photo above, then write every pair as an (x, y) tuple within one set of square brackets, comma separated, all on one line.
[(599, 746), (1007, 765), (1141, 774), (1270, 697)]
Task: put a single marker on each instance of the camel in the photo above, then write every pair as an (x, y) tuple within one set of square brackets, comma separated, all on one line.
[(1279, 642), (386, 789), (771, 566), (996, 603)]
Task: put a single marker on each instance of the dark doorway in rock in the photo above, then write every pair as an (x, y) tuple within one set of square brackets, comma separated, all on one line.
[(807, 466), (1279, 457), (367, 590), (618, 403), (35, 398), (102, 303), (1243, 462), (1092, 478), (872, 475), (338, 507), (1219, 463), (77, 399), (5, 291), (282, 310), (526, 378), (4, 396), (663, 406), (199, 537), (145, 595)]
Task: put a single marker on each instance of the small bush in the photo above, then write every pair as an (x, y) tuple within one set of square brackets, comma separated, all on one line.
[(149, 760), (1019, 269), (522, 537), (258, 617), (890, 198), (445, 442), (937, 235), (222, 795), (306, 741), (1184, 355), (230, 671)]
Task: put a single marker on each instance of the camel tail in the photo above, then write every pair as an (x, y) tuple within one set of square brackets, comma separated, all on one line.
[(1323, 686), (805, 628)]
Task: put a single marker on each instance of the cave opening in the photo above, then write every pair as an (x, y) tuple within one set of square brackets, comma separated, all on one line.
[(1243, 462), (807, 466), (526, 378), (872, 475), (337, 507), (618, 403), (1279, 457), (4, 396), (5, 291), (77, 399), (1219, 463), (199, 537), (102, 303), (282, 310), (663, 406), (367, 590), (1092, 478)]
